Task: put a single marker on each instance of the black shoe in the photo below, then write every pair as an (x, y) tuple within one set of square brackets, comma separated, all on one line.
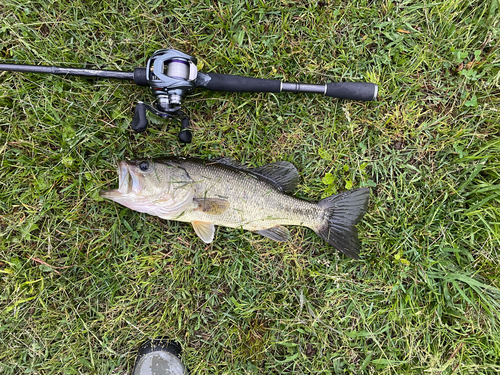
[(159, 357)]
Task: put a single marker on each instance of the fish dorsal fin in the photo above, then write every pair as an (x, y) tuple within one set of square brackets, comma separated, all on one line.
[(283, 173), (211, 206), (229, 161), (204, 230), (278, 233)]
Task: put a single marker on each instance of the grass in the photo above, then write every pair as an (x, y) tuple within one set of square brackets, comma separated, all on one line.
[(84, 281)]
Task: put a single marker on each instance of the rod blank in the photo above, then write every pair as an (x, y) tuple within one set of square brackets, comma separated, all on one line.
[(67, 71)]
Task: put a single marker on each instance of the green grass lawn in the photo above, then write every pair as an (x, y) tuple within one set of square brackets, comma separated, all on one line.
[(83, 281)]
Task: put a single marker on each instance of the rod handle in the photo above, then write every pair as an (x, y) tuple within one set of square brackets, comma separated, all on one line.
[(364, 91), (233, 83)]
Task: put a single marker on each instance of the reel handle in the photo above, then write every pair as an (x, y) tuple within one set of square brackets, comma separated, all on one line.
[(185, 135), (140, 121)]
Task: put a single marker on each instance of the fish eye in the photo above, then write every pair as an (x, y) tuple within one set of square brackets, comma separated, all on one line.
[(144, 166)]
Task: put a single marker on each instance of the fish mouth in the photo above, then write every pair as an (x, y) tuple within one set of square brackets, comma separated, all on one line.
[(129, 182)]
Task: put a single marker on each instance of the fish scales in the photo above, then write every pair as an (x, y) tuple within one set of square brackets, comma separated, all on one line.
[(254, 202)]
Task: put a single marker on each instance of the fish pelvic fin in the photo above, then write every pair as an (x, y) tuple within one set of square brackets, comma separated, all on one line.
[(343, 212), (204, 230)]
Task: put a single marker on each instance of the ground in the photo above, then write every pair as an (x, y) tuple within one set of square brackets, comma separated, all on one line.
[(85, 281)]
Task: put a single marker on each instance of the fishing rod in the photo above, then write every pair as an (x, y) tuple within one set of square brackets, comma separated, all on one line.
[(172, 74)]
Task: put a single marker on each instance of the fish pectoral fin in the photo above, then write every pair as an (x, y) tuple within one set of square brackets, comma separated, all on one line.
[(278, 233), (204, 230), (211, 206), (282, 173)]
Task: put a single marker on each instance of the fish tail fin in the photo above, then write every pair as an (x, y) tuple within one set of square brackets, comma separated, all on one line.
[(343, 212)]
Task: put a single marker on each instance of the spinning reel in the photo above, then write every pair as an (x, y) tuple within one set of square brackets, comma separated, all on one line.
[(172, 74)]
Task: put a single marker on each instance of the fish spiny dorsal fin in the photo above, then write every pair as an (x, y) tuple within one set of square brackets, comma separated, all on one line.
[(283, 173), (230, 162)]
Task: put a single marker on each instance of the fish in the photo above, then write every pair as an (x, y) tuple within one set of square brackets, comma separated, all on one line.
[(226, 193)]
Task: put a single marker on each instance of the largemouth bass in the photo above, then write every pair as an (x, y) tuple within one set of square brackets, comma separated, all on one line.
[(222, 192)]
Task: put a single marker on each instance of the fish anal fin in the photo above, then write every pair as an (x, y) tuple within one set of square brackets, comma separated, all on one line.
[(278, 233), (283, 173), (204, 230), (211, 206)]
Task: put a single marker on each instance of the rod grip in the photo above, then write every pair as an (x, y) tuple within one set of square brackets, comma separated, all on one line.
[(364, 91), (232, 83)]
